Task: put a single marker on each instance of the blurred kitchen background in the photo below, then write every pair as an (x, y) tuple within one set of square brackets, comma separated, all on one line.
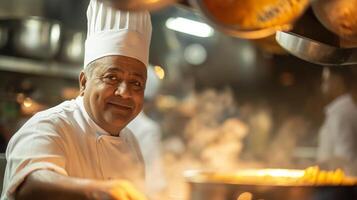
[(225, 102)]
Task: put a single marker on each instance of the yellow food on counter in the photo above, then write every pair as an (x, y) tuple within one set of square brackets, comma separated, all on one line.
[(309, 176)]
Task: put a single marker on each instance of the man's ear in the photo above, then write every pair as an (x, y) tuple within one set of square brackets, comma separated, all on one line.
[(82, 83)]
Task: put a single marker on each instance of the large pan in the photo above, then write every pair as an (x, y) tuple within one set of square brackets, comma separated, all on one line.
[(203, 188)]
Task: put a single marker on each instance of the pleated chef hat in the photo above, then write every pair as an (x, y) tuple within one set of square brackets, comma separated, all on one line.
[(115, 32)]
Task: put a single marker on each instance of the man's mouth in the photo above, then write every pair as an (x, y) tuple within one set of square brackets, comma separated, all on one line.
[(121, 106)]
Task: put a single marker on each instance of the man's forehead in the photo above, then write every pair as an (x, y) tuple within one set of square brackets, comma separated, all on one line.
[(118, 64)]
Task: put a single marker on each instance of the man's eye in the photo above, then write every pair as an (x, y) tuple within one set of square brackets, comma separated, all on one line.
[(111, 79), (137, 84)]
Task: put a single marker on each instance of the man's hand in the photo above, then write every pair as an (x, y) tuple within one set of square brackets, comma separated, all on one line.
[(48, 185), (123, 190), (114, 190)]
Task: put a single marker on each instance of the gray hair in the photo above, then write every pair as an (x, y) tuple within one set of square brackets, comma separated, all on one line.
[(90, 69)]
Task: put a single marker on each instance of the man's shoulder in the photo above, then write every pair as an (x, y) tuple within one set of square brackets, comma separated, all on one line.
[(54, 115), (61, 109)]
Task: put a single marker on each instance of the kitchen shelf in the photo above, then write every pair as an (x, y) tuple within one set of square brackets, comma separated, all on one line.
[(45, 68)]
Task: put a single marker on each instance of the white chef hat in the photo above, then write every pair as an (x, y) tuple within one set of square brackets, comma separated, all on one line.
[(153, 83), (115, 32)]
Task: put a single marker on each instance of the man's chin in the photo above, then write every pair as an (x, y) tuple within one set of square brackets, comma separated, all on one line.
[(119, 120)]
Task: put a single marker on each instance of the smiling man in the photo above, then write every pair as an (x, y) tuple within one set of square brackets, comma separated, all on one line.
[(113, 91), (81, 149)]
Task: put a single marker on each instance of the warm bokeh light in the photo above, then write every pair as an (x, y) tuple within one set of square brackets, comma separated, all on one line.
[(27, 102), (287, 79), (245, 196), (160, 72)]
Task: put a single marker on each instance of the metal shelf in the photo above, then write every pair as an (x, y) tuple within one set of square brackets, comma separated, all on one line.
[(45, 68)]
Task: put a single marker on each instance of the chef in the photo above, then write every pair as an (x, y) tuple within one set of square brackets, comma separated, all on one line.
[(337, 146), (81, 149)]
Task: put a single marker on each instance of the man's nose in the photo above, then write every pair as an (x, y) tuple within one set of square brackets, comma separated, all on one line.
[(122, 90)]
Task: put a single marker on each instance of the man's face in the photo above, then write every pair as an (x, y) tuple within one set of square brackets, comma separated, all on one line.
[(113, 95)]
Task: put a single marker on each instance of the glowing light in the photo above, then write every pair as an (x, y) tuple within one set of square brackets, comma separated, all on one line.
[(245, 196), (160, 72), (27, 102), (189, 27), (195, 54)]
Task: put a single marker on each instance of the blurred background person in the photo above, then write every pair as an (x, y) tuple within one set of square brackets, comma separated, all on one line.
[(337, 142), (148, 133)]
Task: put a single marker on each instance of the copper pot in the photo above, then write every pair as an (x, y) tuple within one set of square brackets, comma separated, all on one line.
[(251, 19)]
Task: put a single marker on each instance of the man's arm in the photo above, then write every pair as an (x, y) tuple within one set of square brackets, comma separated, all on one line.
[(46, 184)]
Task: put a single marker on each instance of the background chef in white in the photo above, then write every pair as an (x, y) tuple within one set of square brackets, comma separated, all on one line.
[(337, 144), (148, 133), (81, 149)]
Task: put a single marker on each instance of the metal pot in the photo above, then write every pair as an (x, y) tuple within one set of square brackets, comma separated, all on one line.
[(36, 37), (139, 4), (205, 189), (339, 16), (72, 47), (252, 19), (4, 33)]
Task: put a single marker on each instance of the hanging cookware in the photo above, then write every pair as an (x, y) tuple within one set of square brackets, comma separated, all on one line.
[(339, 16), (314, 51), (251, 19), (4, 33), (72, 47), (36, 37), (139, 4), (267, 184)]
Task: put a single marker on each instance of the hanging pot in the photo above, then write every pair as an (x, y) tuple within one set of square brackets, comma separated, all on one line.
[(72, 47), (251, 19), (4, 33), (36, 37)]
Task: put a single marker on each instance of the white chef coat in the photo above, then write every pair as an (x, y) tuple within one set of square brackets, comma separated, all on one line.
[(66, 140), (338, 134), (148, 135)]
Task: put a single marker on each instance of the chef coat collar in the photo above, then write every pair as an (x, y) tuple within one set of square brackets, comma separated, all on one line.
[(99, 131)]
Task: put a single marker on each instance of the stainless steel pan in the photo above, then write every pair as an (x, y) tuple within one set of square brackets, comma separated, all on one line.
[(314, 51)]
